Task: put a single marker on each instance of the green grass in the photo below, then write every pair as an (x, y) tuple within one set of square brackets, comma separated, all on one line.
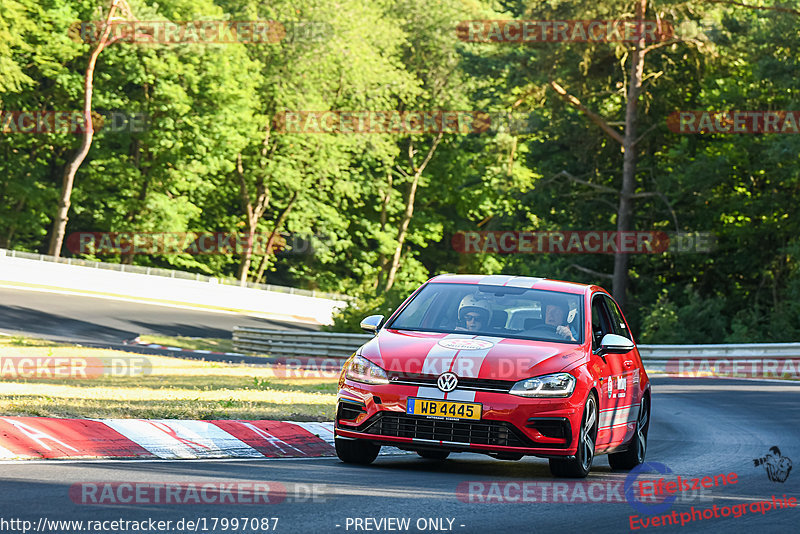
[(175, 388), (193, 343)]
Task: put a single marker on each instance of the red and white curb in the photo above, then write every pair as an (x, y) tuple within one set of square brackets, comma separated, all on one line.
[(25, 438)]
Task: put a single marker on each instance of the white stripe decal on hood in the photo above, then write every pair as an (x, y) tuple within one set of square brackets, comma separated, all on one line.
[(461, 395), (439, 358), (436, 362), (467, 364), (464, 363)]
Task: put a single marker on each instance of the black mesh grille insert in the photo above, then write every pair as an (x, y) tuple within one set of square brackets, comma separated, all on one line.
[(553, 427), (466, 432), (350, 410)]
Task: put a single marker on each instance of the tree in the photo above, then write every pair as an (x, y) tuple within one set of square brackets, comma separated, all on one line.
[(60, 221)]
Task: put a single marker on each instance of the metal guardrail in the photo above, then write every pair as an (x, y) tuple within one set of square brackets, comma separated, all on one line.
[(337, 345), (733, 351), (169, 273), (286, 343), (668, 358)]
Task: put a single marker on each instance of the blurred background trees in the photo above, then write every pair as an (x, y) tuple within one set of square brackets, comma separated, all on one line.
[(209, 158)]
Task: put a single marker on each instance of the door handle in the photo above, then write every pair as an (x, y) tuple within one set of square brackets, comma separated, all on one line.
[(628, 363)]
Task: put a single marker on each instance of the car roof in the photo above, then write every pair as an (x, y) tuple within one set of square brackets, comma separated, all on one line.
[(528, 282)]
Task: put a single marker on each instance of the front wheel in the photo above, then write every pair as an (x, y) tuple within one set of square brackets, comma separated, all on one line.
[(579, 465), (356, 451), (638, 446)]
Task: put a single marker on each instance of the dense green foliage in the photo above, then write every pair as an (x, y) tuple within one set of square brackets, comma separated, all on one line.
[(209, 159)]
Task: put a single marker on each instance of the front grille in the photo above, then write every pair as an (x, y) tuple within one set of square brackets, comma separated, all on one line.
[(466, 432), (476, 384)]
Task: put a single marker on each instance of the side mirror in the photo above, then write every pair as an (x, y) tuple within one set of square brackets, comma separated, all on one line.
[(615, 344), (372, 323)]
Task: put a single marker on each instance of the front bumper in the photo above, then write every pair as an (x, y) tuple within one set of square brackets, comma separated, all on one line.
[(509, 425)]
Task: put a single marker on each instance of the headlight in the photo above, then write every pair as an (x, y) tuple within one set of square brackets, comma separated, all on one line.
[(363, 370), (556, 385)]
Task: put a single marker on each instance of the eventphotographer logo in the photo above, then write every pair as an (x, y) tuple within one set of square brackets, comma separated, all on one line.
[(715, 512), (656, 494), (777, 466)]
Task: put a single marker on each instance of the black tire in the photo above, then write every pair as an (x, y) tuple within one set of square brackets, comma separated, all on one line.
[(356, 451), (434, 455), (637, 448), (579, 465)]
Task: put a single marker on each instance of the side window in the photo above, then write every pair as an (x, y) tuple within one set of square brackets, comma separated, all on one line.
[(416, 310), (441, 312), (617, 319), (600, 322)]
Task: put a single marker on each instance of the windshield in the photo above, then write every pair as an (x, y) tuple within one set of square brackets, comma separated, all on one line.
[(494, 311)]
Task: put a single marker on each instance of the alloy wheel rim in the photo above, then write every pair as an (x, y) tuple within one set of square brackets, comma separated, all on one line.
[(587, 442), (641, 431)]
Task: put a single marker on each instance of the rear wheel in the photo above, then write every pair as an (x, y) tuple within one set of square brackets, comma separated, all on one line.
[(356, 451), (434, 455), (579, 465), (638, 446)]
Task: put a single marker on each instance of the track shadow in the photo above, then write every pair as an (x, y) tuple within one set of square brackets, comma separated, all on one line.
[(64, 327), (33, 321)]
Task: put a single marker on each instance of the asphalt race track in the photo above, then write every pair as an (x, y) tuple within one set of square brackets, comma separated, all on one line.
[(64, 317), (700, 427)]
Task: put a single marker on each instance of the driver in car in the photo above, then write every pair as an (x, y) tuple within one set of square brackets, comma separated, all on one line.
[(473, 313), (555, 315)]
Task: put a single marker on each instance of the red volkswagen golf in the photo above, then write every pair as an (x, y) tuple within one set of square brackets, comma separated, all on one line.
[(502, 365)]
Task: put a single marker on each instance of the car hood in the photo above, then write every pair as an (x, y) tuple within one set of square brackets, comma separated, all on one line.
[(406, 352)]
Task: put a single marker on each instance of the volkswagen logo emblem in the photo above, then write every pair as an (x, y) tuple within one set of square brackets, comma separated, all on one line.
[(447, 382)]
